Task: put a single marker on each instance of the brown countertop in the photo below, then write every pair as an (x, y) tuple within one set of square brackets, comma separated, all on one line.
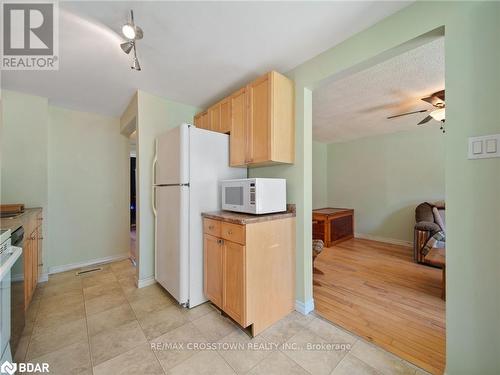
[(243, 219), (17, 221)]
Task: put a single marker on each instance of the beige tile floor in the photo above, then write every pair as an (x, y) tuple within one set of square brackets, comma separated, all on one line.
[(100, 323)]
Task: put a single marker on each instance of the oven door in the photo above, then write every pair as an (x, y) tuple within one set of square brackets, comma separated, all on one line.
[(17, 308), (236, 196)]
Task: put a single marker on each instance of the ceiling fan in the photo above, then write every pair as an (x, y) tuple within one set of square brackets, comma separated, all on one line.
[(438, 114)]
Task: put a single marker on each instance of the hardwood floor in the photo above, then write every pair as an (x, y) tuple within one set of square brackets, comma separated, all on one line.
[(376, 291)]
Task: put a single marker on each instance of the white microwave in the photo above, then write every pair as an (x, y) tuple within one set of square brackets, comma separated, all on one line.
[(254, 195)]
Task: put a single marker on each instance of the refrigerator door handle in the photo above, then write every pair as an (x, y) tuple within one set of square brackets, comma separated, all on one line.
[(153, 192)]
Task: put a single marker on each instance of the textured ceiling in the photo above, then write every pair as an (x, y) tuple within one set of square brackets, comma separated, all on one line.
[(192, 52), (358, 105)]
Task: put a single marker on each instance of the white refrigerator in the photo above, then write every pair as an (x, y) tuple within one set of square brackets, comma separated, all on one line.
[(187, 170)]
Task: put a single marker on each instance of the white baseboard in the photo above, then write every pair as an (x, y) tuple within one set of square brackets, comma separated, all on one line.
[(141, 283), (392, 241), (18, 277), (41, 279), (304, 307), (87, 263)]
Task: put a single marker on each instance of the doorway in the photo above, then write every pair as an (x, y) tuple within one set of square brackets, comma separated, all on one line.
[(133, 201), (365, 159)]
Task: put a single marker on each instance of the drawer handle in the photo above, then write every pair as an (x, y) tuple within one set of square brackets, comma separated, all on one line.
[(220, 242), (210, 227), (229, 232)]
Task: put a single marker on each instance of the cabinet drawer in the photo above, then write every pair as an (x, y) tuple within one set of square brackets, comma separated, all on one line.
[(211, 227), (233, 232)]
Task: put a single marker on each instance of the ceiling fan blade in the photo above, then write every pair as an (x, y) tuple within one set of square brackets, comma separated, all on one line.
[(436, 99), (439, 94), (408, 113), (425, 120)]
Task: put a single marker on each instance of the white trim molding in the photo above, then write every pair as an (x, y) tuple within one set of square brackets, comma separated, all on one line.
[(304, 307), (20, 277), (141, 283), (87, 263), (392, 241)]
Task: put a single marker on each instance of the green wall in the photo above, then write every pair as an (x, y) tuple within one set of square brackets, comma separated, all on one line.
[(472, 57), (24, 150), (155, 116), (385, 177), (74, 165), (319, 175), (88, 188)]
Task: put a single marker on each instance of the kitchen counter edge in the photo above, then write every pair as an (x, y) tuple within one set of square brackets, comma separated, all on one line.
[(243, 219), (15, 222)]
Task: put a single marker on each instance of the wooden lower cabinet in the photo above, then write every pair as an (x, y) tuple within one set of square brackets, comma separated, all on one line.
[(233, 271), (32, 248), (213, 255), (251, 275)]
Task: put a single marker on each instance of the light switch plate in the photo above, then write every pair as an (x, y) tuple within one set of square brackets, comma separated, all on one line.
[(477, 147), (491, 146), (487, 146)]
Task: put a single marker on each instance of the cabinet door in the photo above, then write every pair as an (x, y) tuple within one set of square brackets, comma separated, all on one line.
[(234, 281), (40, 252), (28, 261), (205, 121), (214, 118), (225, 116), (201, 120), (212, 250), (198, 120), (259, 120), (34, 265), (237, 140)]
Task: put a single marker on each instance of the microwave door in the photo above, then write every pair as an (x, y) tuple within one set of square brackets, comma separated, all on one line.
[(236, 198)]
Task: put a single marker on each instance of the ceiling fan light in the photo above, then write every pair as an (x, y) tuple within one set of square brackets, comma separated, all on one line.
[(128, 31), (438, 114)]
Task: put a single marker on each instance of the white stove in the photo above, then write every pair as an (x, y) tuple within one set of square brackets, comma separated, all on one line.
[(8, 256)]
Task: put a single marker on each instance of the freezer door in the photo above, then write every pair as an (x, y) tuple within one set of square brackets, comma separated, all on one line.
[(172, 156), (172, 240)]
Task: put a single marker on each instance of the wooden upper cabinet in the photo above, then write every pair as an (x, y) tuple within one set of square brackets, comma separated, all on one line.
[(197, 120), (237, 141), (225, 115), (271, 120), (260, 120), (201, 120), (219, 116), (214, 118)]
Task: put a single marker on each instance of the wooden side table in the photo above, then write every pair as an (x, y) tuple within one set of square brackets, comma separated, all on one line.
[(333, 225), (437, 257)]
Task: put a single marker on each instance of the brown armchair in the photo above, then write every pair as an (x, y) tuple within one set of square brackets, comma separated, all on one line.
[(430, 219)]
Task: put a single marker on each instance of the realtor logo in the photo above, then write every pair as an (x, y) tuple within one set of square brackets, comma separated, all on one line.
[(24, 367), (8, 368), (30, 36)]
